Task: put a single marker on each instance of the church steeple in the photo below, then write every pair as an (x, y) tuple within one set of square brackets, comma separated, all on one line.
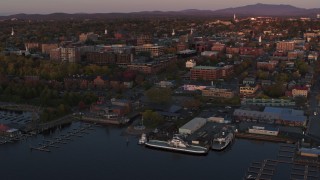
[(12, 32)]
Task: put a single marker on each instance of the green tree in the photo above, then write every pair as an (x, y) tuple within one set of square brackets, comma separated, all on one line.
[(159, 95), (151, 118)]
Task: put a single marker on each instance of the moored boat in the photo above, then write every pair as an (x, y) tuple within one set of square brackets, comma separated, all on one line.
[(222, 140), (143, 139), (177, 144)]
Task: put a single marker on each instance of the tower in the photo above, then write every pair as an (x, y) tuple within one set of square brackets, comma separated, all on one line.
[(105, 31), (191, 31), (234, 17), (260, 40), (173, 33), (12, 32)]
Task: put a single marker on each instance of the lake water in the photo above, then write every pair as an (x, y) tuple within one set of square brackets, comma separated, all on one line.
[(104, 153)]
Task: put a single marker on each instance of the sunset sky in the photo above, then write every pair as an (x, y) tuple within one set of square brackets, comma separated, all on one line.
[(107, 6)]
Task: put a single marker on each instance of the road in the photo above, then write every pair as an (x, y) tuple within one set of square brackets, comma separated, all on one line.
[(313, 127)]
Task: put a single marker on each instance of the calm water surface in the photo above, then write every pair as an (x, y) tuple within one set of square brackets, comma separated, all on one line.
[(105, 154)]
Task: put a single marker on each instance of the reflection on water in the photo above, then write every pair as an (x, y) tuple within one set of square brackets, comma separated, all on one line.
[(104, 154)]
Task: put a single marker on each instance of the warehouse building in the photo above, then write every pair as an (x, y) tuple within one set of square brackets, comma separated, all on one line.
[(192, 125)]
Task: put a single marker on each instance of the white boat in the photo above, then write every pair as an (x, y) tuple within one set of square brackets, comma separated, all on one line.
[(177, 144), (222, 140), (143, 139)]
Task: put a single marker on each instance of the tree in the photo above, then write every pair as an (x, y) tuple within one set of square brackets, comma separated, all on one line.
[(151, 118), (275, 90), (194, 103), (159, 95)]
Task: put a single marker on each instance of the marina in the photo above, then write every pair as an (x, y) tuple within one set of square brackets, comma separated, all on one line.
[(288, 160), (109, 151), (62, 139)]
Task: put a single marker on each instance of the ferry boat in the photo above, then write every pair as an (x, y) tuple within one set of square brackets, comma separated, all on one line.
[(222, 140), (143, 139), (177, 144)]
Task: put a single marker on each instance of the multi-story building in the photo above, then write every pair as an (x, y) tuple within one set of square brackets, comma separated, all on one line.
[(154, 66), (248, 89), (71, 55), (155, 51), (218, 47), (32, 45), (285, 45), (143, 39), (55, 54), (232, 50), (181, 47), (251, 51), (300, 91), (227, 70), (217, 92), (211, 73), (101, 58), (83, 37), (46, 48), (206, 73), (249, 80), (270, 65)]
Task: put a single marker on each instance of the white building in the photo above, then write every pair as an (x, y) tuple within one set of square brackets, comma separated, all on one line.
[(192, 125), (191, 63), (264, 131), (209, 53)]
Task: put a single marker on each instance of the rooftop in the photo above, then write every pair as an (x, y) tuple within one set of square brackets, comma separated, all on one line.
[(204, 67)]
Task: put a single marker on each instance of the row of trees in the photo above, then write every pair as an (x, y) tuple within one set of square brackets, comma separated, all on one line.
[(22, 66)]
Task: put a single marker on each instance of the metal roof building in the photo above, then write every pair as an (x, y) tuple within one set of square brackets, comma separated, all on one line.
[(192, 125)]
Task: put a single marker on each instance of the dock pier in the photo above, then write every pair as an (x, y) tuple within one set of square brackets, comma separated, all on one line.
[(62, 139)]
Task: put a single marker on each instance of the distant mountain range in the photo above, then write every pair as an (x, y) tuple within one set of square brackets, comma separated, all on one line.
[(244, 11)]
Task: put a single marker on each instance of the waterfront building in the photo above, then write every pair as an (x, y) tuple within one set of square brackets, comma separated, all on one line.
[(192, 125), (264, 130), (282, 116)]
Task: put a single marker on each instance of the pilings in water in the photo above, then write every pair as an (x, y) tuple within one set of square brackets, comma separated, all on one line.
[(63, 139)]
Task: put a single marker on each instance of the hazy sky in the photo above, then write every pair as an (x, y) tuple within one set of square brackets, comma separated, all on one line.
[(106, 6)]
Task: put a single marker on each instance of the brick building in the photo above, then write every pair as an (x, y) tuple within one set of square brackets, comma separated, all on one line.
[(217, 92), (46, 48), (205, 73), (285, 46), (269, 66)]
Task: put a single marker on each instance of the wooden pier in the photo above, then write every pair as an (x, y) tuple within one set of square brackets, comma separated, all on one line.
[(301, 168), (262, 170), (62, 139)]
